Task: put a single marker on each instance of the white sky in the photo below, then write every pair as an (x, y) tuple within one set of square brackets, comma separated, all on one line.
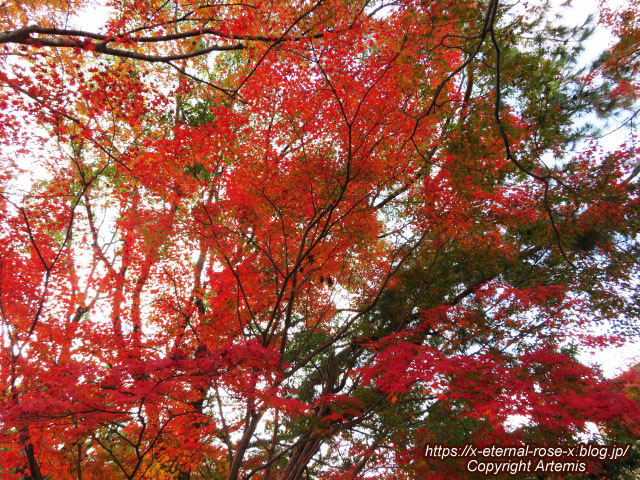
[(612, 360)]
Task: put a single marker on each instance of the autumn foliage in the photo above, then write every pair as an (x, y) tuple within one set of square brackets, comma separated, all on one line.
[(280, 240)]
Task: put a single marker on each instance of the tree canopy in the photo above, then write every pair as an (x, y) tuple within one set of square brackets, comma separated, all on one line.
[(299, 239)]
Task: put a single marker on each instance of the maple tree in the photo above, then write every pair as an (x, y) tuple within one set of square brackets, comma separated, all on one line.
[(287, 240)]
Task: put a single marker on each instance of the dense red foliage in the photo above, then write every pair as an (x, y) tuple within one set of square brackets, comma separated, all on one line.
[(287, 240)]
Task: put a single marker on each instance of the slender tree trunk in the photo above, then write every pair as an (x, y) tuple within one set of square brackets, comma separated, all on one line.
[(300, 458), (30, 453), (253, 419), (79, 462)]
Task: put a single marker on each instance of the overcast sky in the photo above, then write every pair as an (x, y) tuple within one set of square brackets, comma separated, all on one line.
[(612, 360)]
